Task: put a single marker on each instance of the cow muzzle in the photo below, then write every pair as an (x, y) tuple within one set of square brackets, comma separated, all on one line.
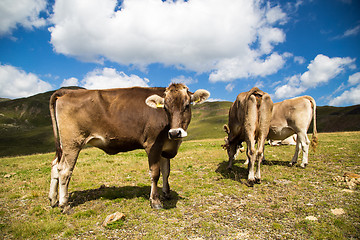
[(177, 133)]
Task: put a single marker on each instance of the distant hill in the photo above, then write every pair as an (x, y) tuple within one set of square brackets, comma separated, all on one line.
[(25, 124)]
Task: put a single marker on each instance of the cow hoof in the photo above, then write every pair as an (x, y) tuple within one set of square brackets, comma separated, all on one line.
[(250, 183), (66, 209), (303, 165), (156, 204), (54, 203), (291, 164), (229, 168), (257, 181)]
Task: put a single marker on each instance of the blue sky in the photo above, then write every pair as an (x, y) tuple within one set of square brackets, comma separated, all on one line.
[(286, 48)]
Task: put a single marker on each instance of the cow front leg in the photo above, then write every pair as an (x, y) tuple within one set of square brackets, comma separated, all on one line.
[(231, 153), (165, 171), (54, 183), (154, 196)]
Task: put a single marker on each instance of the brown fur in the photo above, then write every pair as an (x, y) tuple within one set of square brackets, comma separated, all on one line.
[(119, 120), (249, 120)]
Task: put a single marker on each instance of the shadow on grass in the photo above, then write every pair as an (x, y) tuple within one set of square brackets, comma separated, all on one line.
[(127, 192), (275, 162), (237, 173)]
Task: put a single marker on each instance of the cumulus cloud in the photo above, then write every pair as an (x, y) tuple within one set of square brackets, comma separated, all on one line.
[(70, 82), (183, 79), (299, 59), (15, 83), (230, 38), (349, 97), (21, 12), (320, 71), (354, 79), (110, 78)]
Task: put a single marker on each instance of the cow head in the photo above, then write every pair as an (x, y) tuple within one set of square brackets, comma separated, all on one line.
[(176, 103)]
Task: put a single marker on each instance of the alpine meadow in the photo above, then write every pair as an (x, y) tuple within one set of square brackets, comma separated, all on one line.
[(207, 200)]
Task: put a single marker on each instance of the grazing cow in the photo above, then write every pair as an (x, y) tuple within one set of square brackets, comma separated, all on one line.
[(249, 121), (119, 120), (293, 116)]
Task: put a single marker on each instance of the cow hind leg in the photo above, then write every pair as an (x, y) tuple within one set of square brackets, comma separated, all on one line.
[(65, 168), (305, 143), (250, 127), (259, 158), (297, 152), (165, 171), (251, 154), (54, 183)]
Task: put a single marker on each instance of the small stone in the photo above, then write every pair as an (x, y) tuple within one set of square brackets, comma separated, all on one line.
[(9, 175), (113, 218), (338, 211), (311, 218)]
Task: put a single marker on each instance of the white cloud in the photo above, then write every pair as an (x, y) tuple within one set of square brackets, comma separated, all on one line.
[(323, 68), (230, 87), (203, 35), (183, 79), (354, 79), (16, 83), (320, 71), (110, 78), (70, 82), (22, 12), (230, 69), (349, 97), (352, 31), (299, 59)]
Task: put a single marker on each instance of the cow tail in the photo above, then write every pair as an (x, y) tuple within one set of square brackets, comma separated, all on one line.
[(52, 107), (314, 138)]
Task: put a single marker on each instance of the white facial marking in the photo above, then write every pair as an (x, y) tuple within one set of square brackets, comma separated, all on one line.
[(177, 133)]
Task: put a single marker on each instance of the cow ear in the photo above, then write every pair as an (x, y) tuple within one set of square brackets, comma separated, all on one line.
[(200, 96), (155, 101), (226, 128)]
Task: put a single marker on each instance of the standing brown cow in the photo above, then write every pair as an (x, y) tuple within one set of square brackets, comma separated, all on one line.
[(249, 121), (119, 120)]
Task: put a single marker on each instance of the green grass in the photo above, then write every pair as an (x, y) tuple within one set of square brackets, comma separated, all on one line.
[(208, 201)]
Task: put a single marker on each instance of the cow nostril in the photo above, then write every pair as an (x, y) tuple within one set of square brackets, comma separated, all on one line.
[(177, 133)]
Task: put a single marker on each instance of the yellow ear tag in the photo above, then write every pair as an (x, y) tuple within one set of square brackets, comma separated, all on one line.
[(158, 105), (198, 100)]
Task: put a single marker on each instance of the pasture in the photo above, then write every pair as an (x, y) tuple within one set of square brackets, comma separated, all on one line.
[(208, 201)]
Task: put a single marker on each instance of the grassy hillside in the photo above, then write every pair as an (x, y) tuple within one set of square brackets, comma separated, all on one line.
[(25, 125), (208, 201), (338, 119), (208, 119)]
